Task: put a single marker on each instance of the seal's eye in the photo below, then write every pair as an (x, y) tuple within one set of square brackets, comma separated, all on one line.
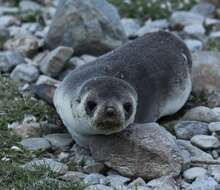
[(90, 106), (128, 108)]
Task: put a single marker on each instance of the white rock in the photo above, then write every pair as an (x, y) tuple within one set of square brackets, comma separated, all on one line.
[(25, 73), (93, 179), (203, 183), (194, 30), (43, 79), (214, 127), (193, 173), (214, 170), (35, 144), (193, 45), (98, 187), (162, 183), (74, 177), (205, 141), (131, 26)]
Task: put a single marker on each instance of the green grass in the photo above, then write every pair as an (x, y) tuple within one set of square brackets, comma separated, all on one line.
[(144, 9), (13, 107), (213, 45)]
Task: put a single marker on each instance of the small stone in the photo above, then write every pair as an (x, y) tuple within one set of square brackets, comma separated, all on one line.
[(26, 45), (204, 8), (10, 59), (184, 18), (74, 177), (35, 144), (98, 187), (26, 6), (54, 166), (26, 130), (193, 173), (193, 45), (93, 179), (137, 182), (6, 21), (187, 129), (195, 153), (25, 73), (131, 26), (203, 183), (43, 79), (214, 127), (214, 171), (94, 167), (116, 181), (54, 62), (162, 183), (194, 30), (202, 114), (205, 142), (88, 58), (59, 140)]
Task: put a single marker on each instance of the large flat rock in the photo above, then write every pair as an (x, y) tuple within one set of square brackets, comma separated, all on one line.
[(142, 150)]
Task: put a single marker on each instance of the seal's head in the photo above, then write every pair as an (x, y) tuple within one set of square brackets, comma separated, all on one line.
[(107, 104)]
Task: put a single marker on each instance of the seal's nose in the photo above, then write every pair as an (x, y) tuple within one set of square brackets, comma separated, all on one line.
[(110, 112)]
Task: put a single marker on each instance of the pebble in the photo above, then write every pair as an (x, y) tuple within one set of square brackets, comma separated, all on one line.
[(187, 129), (203, 183), (214, 127), (51, 164), (25, 73), (192, 173), (35, 144), (194, 30), (214, 171), (73, 176), (59, 140), (55, 61), (193, 45), (94, 179), (205, 142)]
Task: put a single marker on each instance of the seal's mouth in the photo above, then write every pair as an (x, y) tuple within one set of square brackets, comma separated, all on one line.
[(108, 126)]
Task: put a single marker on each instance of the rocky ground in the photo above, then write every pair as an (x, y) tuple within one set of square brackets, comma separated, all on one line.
[(42, 41)]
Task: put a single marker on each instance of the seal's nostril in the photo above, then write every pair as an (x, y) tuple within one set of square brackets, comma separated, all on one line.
[(110, 112)]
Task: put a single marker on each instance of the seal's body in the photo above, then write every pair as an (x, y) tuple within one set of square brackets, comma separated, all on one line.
[(139, 82)]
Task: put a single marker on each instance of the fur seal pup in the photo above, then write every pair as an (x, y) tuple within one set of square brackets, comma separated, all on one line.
[(139, 82)]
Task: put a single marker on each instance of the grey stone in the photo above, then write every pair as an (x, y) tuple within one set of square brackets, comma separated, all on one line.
[(25, 73), (59, 140), (76, 62), (131, 26), (192, 173), (137, 182), (211, 22), (194, 30), (26, 6), (8, 20), (90, 26), (214, 171), (10, 59), (205, 142), (117, 181), (98, 187), (187, 129), (93, 179), (149, 144), (195, 153), (54, 166), (35, 144), (43, 79), (74, 177), (54, 62), (88, 58), (206, 9), (202, 114), (203, 183), (93, 167), (165, 182), (26, 45), (214, 35), (184, 18), (194, 45), (214, 127), (205, 72), (5, 10)]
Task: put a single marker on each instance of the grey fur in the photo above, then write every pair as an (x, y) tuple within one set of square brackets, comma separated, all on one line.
[(157, 66)]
